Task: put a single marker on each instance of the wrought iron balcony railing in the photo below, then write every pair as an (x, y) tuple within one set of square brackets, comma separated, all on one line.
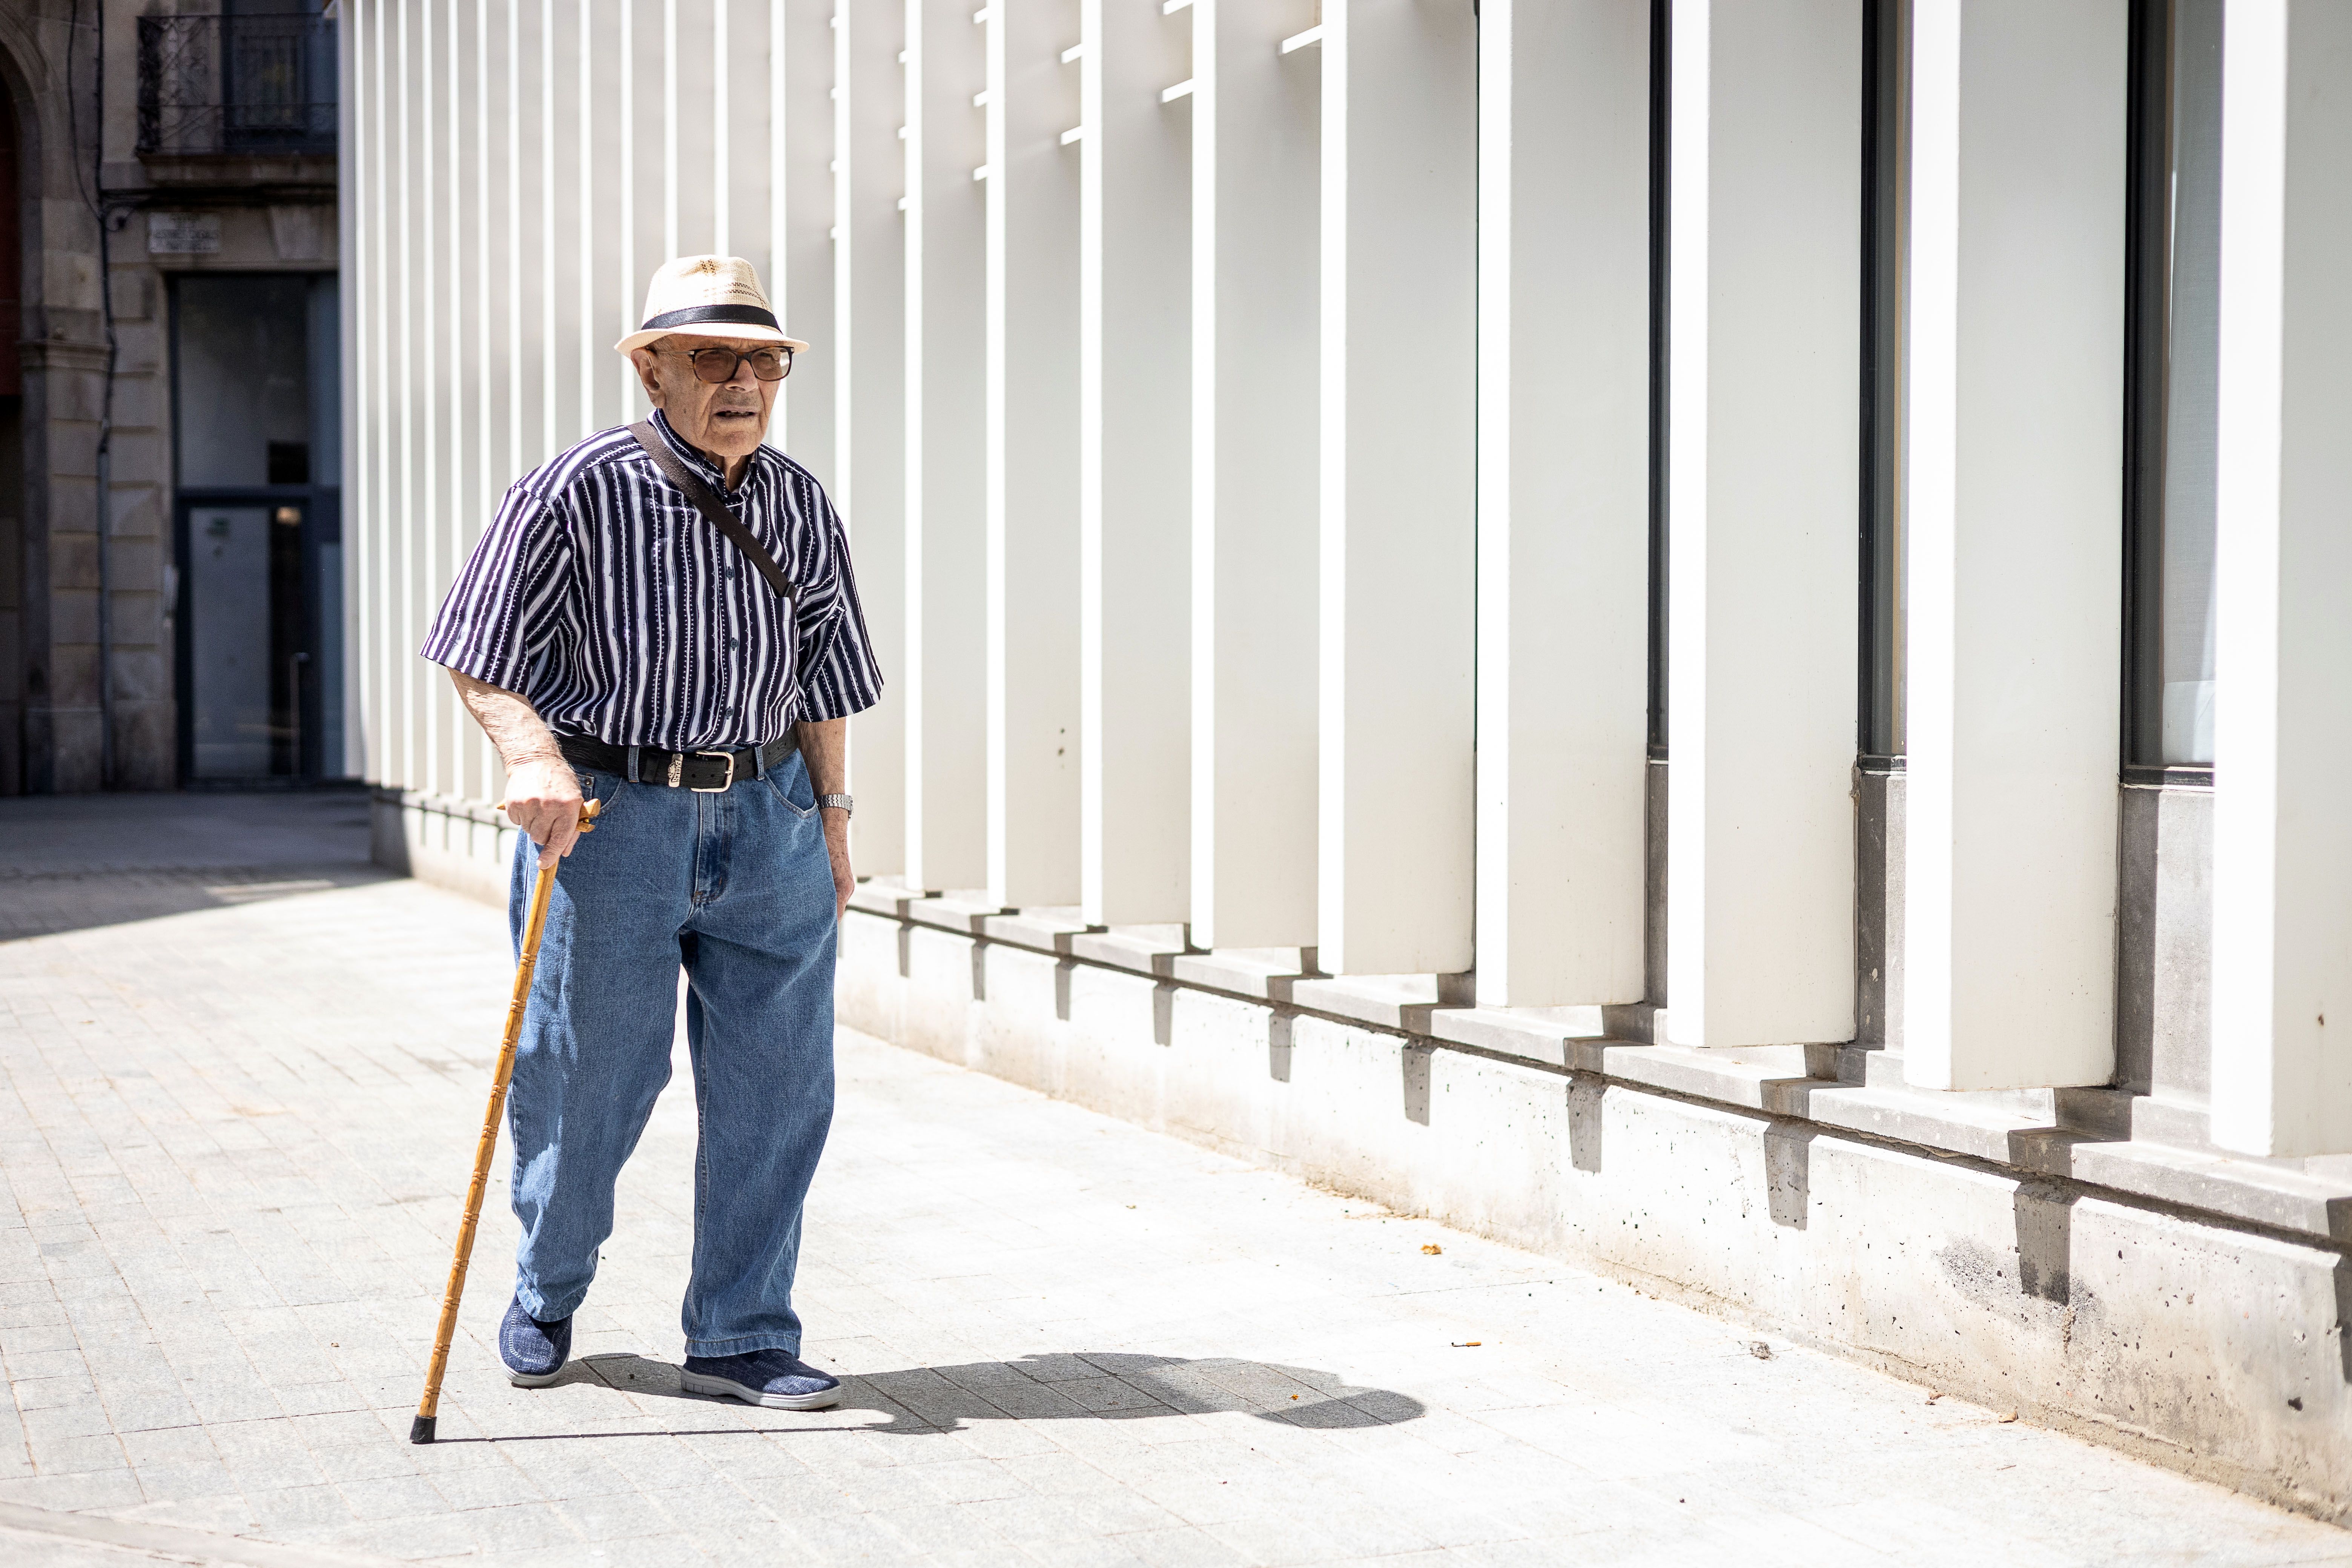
[(251, 84)]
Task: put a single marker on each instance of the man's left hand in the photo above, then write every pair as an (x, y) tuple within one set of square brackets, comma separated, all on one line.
[(836, 849)]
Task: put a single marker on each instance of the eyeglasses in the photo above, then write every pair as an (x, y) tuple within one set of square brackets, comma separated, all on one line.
[(717, 366)]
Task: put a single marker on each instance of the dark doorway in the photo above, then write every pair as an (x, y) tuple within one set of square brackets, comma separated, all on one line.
[(259, 524)]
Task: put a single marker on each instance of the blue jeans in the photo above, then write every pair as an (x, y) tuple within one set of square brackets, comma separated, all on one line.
[(737, 888)]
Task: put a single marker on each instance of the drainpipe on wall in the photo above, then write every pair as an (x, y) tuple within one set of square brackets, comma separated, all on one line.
[(105, 431)]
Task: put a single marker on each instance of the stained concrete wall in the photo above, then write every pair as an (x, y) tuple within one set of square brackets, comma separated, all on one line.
[(2186, 1337), (2164, 963), (463, 845)]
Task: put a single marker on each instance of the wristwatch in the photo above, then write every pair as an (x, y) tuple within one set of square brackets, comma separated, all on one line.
[(841, 802)]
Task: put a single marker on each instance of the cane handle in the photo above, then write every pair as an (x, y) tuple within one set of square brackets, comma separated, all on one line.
[(588, 810)]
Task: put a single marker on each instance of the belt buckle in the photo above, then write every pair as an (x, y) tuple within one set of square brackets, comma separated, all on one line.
[(727, 757)]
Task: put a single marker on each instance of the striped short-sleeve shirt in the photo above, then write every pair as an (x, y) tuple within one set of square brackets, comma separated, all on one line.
[(601, 595)]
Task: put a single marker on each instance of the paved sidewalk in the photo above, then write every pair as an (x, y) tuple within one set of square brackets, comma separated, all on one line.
[(233, 1137), (71, 862)]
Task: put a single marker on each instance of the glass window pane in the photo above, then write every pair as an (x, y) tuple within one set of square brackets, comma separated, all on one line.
[(326, 382), (244, 381), (2191, 342), (1886, 157)]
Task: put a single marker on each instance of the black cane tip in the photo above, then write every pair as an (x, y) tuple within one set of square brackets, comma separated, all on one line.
[(421, 1430)]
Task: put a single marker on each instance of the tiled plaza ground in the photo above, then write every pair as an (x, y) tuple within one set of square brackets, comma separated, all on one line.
[(240, 1078)]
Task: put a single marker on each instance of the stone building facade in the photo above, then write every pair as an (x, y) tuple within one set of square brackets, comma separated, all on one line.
[(185, 152)]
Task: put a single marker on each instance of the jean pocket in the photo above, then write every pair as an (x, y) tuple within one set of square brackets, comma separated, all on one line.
[(598, 785), (790, 782)]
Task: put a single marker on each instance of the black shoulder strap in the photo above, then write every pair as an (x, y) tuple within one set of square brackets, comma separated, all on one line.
[(709, 505)]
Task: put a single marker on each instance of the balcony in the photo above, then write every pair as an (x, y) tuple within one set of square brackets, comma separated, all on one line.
[(248, 87)]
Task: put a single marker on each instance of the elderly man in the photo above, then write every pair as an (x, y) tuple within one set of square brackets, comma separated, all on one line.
[(663, 619)]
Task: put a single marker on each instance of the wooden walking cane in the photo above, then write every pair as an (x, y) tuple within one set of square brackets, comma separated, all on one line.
[(534, 924)]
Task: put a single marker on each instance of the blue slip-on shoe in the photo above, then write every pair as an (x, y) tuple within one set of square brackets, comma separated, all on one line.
[(534, 1352), (769, 1378)]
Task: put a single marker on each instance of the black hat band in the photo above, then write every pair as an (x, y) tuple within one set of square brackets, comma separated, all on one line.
[(696, 315)]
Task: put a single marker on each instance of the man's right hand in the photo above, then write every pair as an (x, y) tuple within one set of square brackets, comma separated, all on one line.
[(543, 800)]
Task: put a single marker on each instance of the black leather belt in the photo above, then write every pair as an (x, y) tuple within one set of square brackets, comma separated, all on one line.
[(705, 773)]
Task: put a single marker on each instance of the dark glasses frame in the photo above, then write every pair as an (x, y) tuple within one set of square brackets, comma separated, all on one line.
[(706, 359)]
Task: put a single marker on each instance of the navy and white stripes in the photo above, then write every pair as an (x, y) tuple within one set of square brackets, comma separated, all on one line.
[(604, 597)]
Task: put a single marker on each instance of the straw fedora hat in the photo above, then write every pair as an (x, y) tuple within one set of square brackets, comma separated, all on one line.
[(708, 297)]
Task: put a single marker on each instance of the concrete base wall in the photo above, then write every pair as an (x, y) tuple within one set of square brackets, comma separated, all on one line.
[(2207, 1344), (462, 846)]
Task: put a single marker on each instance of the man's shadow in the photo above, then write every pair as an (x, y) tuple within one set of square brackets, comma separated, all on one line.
[(1087, 1385)]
